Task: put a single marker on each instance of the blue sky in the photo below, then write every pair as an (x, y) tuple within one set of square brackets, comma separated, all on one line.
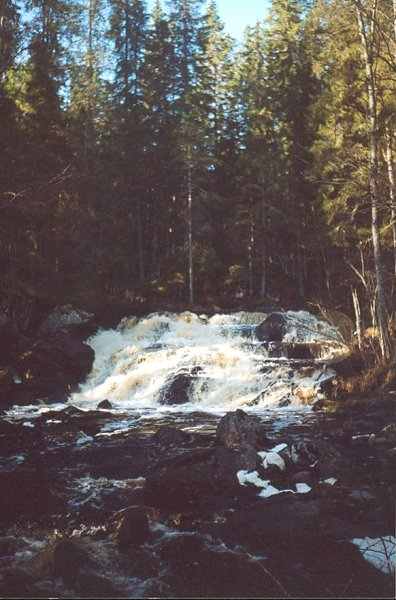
[(238, 14)]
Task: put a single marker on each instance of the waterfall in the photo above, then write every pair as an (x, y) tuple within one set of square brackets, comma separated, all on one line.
[(225, 365)]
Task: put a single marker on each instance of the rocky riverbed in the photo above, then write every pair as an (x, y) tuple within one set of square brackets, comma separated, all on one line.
[(140, 499)]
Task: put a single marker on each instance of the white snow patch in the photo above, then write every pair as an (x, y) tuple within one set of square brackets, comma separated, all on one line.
[(83, 439), (272, 459), (303, 488), (279, 448), (270, 490), (252, 477), (380, 552), (329, 481)]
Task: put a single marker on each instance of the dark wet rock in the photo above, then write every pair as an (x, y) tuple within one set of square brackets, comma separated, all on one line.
[(389, 433), (391, 455), (177, 389), (300, 351), (10, 544), (303, 477), (196, 570), (61, 358), (134, 528), (143, 563), (198, 478), (248, 457), (7, 387), (279, 519), (349, 366), (67, 318), (238, 428), (31, 495), (68, 559), (92, 585), (273, 328), (73, 419), (16, 582), (10, 339), (51, 367), (360, 497), (304, 454), (171, 436), (105, 404)]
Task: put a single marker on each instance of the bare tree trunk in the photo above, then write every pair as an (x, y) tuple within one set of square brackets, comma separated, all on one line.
[(140, 241), (263, 287), (392, 187), (367, 29), (358, 318), (300, 271), (251, 251), (190, 231), (394, 19)]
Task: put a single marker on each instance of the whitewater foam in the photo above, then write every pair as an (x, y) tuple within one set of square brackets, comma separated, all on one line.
[(135, 362)]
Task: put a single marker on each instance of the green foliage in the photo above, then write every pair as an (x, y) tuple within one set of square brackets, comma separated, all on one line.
[(107, 112)]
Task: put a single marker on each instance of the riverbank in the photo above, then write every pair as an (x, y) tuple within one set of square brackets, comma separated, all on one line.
[(158, 510), (153, 492)]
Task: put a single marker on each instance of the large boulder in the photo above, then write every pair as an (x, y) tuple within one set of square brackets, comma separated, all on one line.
[(69, 558), (273, 328), (9, 338), (171, 436), (194, 569), (6, 386), (238, 429), (52, 366), (203, 479), (67, 318), (177, 389), (133, 529)]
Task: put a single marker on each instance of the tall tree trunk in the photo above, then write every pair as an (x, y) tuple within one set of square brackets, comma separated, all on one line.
[(358, 318), (140, 241), (392, 187), (263, 287), (190, 231), (367, 29), (394, 19), (251, 250)]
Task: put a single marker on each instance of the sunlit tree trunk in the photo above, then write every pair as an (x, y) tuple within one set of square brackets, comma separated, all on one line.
[(366, 16), (392, 188), (190, 231)]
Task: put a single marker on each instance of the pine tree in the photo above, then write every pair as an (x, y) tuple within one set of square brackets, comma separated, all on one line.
[(43, 93), (259, 159), (292, 89), (88, 90), (129, 33), (9, 36), (161, 121), (185, 19)]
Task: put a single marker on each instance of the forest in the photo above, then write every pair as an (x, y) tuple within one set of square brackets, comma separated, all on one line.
[(149, 157), (197, 299)]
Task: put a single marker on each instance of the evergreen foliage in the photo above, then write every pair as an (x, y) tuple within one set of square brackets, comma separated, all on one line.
[(144, 154)]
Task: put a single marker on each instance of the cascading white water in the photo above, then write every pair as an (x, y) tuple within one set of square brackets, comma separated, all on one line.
[(135, 362)]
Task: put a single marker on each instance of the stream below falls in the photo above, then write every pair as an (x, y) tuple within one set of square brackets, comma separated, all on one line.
[(132, 489)]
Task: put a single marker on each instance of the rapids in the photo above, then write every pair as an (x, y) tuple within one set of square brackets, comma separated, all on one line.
[(137, 360)]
